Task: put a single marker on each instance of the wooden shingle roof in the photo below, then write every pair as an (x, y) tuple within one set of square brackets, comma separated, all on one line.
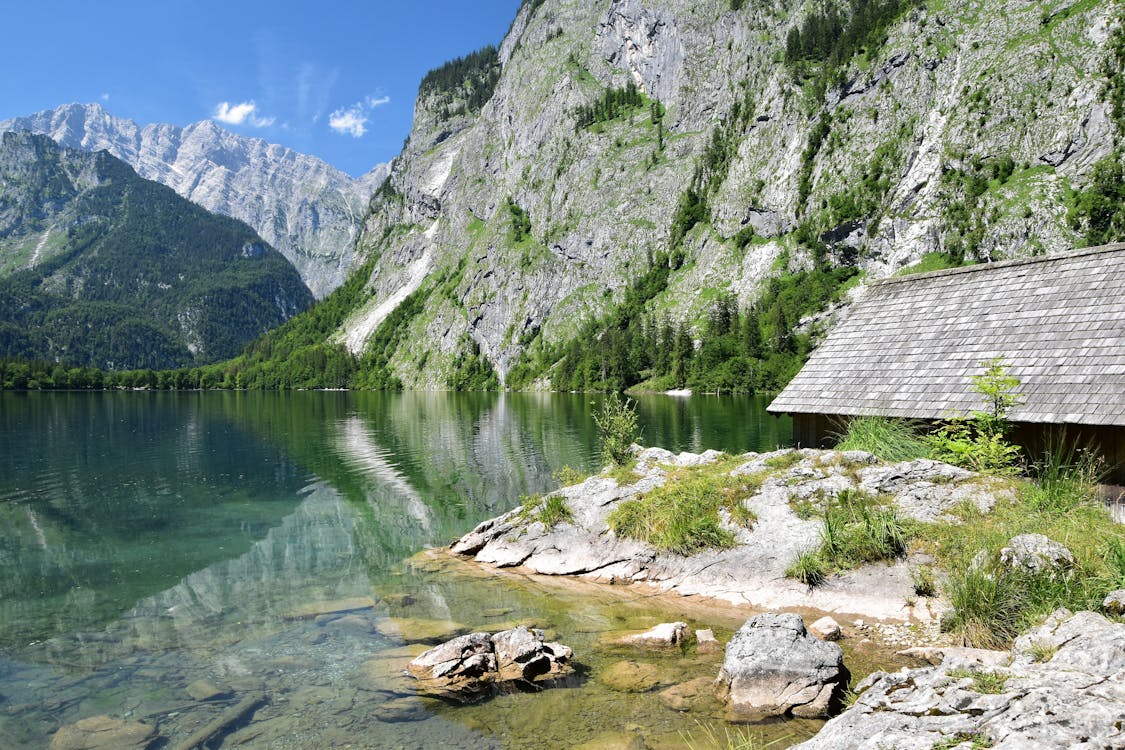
[(909, 347)]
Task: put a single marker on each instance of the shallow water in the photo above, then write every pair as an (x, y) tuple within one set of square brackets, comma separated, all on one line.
[(267, 544)]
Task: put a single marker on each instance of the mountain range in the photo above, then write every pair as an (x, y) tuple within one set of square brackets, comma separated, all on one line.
[(669, 192), (99, 267), (301, 205)]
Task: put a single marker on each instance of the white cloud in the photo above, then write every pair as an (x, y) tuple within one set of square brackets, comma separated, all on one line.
[(353, 120), (105, 97), (241, 114), (349, 121)]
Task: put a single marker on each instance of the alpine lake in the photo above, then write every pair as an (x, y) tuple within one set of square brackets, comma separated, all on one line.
[(163, 556)]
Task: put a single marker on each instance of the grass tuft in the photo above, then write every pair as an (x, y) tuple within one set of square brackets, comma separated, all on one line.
[(808, 568), (549, 511), (858, 528), (989, 683), (890, 439)]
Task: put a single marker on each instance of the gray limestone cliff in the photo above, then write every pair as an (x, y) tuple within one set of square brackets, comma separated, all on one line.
[(954, 127), (304, 207)]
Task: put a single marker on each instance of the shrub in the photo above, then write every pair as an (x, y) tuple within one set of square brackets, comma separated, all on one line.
[(890, 439), (619, 429), (979, 443), (568, 476)]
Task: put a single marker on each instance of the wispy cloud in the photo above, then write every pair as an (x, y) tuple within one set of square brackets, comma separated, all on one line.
[(244, 113), (105, 97), (353, 120)]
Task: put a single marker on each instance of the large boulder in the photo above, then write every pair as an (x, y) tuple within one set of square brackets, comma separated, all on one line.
[(1062, 688), (774, 667), (473, 666)]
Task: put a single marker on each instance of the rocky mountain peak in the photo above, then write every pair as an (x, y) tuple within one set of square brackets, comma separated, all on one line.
[(304, 207)]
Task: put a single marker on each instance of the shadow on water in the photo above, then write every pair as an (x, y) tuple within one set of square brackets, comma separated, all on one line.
[(257, 541)]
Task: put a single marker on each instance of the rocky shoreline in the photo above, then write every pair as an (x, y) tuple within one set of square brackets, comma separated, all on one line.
[(751, 574), (1062, 685)]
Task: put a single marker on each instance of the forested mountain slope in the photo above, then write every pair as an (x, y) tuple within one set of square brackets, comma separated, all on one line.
[(99, 267), (304, 207), (670, 192)]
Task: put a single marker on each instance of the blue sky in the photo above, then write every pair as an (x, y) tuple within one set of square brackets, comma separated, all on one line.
[(333, 79)]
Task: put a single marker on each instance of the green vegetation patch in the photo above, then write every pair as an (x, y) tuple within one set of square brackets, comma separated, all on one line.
[(888, 438), (682, 516), (549, 511)]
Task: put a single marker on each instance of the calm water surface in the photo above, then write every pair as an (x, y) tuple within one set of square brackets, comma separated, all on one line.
[(152, 541)]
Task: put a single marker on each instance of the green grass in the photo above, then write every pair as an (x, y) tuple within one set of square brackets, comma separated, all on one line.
[(858, 529), (549, 511), (976, 740), (990, 683), (890, 439), (682, 516), (809, 568), (568, 476), (991, 605), (924, 582)]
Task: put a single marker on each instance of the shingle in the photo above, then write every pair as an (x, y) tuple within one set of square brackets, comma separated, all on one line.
[(1058, 322)]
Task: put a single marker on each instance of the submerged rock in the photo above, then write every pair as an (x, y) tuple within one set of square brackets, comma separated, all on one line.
[(631, 677), (706, 643), (774, 667), (103, 733), (473, 666), (1063, 688), (664, 635), (419, 630)]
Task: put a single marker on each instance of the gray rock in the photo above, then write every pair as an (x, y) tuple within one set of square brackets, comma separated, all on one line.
[(706, 643), (1035, 553), (774, 667), (664, 635), (1072, 700), (474, 666), (1114, 603), (826, 629)]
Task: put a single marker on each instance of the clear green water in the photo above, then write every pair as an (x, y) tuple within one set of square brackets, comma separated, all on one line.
[(148, 541)]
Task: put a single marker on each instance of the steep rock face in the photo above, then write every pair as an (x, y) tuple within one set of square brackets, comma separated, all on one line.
[(302, 206), (874, 162)]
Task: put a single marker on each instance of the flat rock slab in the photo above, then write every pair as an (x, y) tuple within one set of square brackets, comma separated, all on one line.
[(103, 733), (752, 573)]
